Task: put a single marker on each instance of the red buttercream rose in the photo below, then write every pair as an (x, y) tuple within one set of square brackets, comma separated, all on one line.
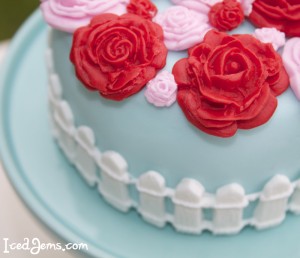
[(226, 15), (283, 15), (229, 82), (118, 55), (144, 8)]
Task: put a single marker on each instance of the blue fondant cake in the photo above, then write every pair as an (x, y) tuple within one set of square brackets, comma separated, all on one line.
[(161, 155)]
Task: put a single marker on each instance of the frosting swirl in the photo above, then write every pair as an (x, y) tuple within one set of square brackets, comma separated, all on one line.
[(162, 90), (118, 55), (227, 15), (270, 35), (229, 82), (283, 15), (68, 15), (203, 6), (291, 60), (143, 8), (183, 28)]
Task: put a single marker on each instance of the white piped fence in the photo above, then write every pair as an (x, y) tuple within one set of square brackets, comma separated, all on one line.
[(109, 172)]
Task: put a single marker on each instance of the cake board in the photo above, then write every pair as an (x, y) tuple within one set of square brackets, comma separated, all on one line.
[(56, 193)]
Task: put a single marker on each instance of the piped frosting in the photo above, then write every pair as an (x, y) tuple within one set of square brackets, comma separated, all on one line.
[(68, 15)]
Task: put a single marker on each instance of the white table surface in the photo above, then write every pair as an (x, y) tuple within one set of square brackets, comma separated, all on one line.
[(17, 222)]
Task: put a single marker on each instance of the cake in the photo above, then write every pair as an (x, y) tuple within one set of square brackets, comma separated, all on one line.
[(182, 109)]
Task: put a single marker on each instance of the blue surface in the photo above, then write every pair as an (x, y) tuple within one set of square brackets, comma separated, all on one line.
[(56, 193)]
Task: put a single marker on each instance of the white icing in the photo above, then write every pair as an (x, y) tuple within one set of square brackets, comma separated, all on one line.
[(189, 191), (114, 180), (295, 200), (151, 187), (151, 182), (280, 186), (230, 196), (86, 153)]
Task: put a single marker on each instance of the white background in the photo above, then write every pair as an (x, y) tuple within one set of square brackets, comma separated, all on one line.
[(17, 222)]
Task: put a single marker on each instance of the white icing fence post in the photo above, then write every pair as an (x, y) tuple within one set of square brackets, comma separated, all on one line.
[(295, 201), (273, 203), (114, 180), (54, 98), (187, 201), (64, 126), (49, 57), (151, 187), (229, 207), (86, 155)]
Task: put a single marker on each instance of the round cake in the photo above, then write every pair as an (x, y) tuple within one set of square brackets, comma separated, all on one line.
[(180, 109)]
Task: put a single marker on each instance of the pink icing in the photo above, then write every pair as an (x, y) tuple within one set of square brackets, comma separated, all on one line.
[(203, 6), (68, 15), (247, 6), (183, 28), (291, 60), (200, 6), (270, 35), (162, 90)]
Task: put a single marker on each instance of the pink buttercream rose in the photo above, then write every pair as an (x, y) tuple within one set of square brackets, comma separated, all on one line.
[(291, 61), (68, 15), (183, 28), (270, 35), (203, 6), (162, 90)]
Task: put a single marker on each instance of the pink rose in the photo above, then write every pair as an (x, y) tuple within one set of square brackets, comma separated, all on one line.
[(162, 90), (68, 15)]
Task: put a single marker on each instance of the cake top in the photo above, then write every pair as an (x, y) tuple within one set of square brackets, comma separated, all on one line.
[(225, 82)]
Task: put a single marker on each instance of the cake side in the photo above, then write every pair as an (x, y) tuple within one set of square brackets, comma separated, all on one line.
[(174, 147), (231, 208)]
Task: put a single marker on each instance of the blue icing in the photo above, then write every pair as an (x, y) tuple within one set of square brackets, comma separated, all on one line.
[(163, 140)]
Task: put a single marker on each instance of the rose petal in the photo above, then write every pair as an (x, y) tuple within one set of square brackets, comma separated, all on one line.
[(262, 117)]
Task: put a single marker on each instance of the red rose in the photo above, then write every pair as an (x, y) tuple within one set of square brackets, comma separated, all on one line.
[(143, 8), (283, 15), (229, 82), (226, 15), (118, 55)]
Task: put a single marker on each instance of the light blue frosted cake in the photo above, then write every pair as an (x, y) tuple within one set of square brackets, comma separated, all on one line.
[(169, 108)]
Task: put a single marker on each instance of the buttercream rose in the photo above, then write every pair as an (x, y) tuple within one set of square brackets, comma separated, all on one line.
[(270, 35), (203, 6), (227, 15), (229, 82), (144, 8), (68, 15), (118, 55), (291, 60), (183, 28), (283, 15), (162, 90)]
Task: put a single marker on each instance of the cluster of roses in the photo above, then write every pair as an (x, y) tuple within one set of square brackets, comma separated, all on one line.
[(226, 83)]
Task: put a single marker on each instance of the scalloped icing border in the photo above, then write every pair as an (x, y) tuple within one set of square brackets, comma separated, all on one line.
[(190, 202)]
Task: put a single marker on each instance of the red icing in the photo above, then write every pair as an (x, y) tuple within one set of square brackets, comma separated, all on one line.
[(143, 8), (226, 15), (229, 82), (118, 55), (283, 15)]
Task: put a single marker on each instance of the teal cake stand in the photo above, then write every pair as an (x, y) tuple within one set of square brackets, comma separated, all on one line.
[(54, 191)]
